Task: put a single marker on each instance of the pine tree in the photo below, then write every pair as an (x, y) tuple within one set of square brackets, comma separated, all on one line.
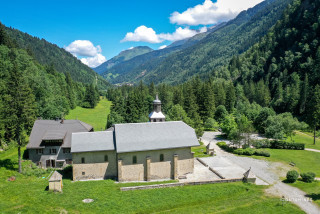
[(304, 95), (20, 110), (230, 97)]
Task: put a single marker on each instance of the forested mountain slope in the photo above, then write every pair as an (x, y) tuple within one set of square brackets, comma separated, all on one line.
[(216, 49), (151, 59), (122, 57), (47, 53), (286, 62)]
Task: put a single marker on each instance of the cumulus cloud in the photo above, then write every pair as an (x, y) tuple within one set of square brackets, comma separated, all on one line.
[(142, 34), (212, 12), (179, 34), (162, 47), (84, 48), (94, 61), (145, 34)]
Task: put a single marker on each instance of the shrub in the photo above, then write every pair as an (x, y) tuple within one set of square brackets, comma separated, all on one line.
[(308, 177), (292, 176), (261, 144), (276, 144), (224, 146), (249, 151), (238, 151), (262, 153)]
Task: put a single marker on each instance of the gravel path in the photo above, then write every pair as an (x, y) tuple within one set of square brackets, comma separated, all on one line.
[(268, 172), (312, 150)]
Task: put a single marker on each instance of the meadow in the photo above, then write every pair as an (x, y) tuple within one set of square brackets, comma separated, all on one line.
[(96, 117), (301, 137), (29, 194)]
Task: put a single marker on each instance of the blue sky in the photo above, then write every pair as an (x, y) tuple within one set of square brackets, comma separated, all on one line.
[(106, 25)]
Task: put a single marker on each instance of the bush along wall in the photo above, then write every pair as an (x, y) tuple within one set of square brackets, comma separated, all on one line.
[(277, 144), (247, 151)]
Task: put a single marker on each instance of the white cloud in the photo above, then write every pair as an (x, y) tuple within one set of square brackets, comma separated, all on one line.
[(130, 48), (203, 29), (142, 34), (179, 34), (162, 47), (145, 34), (211, 13), (84, 48), (94, 61)]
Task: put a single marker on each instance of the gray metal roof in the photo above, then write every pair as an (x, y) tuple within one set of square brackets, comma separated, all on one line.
[(153, 136), (92, 141), (45, 129)]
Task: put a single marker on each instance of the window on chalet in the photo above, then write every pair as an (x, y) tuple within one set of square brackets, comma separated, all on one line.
[(53, 151), (39, 151), (82, 160), (154, 120), (134, 159), (106, 158), (66, 150), (161, 157), (83, 173)]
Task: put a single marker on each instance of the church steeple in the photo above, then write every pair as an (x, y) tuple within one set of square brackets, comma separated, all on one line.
[(156, 115)]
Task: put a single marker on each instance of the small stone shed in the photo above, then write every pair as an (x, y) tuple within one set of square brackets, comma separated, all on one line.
[(55, 182)]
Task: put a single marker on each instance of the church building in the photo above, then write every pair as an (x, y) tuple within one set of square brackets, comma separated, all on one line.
[(156, 150)]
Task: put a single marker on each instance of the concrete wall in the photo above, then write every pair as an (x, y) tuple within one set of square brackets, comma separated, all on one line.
[(157, 170), (95, 166)]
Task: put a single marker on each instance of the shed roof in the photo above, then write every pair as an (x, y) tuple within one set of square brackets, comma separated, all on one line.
[(92, 141), (53, 130), (56, 176), (154, 136)]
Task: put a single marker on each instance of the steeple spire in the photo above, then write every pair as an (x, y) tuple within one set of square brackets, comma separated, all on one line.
[(156, 115)]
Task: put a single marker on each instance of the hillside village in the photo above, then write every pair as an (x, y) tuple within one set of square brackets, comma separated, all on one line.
[(203, 107)]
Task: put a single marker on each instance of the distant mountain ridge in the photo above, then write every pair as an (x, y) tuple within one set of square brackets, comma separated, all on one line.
[(121, 57), (47, 53), (200, 55)]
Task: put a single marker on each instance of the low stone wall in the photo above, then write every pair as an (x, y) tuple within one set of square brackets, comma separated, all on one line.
[(157, 186)]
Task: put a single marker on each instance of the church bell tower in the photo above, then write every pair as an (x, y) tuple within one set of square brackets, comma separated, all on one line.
[(156, 115)]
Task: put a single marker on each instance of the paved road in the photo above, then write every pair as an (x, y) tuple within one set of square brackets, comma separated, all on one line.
[(268, 172)]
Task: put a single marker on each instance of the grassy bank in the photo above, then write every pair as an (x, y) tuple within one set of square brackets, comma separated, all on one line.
[(312, 189), (96, 117), (28, 195), (300, 137)]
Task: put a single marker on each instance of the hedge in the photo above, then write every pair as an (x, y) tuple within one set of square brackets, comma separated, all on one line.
[(308, 177), (278, 144), (247, 151)]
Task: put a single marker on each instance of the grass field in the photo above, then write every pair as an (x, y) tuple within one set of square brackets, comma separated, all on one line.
[(28, 195), (305, 161), (312, 189), (300, 137), (200, 151), (96, 117)]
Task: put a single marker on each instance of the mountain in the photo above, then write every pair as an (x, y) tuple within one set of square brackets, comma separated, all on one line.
[(122, 57), (179, 63), (285, 62), (47, 53)]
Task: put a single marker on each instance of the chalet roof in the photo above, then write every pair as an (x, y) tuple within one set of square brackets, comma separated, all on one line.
[(55, 130), (56, 176), (133, 137), (92, 141)]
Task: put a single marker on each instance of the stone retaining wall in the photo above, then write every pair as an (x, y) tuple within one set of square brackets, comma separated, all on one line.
[(157, 186)]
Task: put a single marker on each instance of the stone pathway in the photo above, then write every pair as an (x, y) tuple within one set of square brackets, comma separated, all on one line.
[(312, 150), (200, 173), (267, 172)]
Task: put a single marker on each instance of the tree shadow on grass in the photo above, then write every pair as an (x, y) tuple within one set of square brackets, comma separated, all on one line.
[(313, 196), (8, 164), (66, 172)]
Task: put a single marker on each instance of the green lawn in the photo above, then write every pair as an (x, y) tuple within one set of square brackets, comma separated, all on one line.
[(305, 161), (28, 195), (200, 151), (312, 189), (303, 138), (96, 117)]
